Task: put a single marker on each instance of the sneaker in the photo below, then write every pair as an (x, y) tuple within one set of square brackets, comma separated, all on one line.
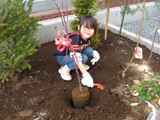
[(86, 67), (65, 75)]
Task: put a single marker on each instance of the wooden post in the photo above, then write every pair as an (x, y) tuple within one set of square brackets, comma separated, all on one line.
[(107, 17), (123, 73)]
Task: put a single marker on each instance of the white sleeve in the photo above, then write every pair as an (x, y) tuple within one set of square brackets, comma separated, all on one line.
[(77, 57)]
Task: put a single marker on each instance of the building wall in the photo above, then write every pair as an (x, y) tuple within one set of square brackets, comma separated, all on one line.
[(46, 5)]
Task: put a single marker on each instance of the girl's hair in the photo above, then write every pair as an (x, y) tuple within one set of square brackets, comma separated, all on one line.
[(89, 21)]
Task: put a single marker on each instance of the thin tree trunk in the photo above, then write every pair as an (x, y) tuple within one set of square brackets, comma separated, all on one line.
[(154, 40), (65, 26), (122, 20)]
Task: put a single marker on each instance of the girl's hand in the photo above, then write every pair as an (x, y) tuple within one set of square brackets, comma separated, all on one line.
[(87, 80), (96, 57)]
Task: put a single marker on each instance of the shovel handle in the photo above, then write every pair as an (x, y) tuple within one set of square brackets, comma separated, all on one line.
[(98, 85)]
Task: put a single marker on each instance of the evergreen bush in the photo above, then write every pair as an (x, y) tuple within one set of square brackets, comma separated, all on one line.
[(18, 38)]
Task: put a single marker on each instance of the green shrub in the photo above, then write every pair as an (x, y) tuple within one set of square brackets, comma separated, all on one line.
[(149, 90), (18, 38)]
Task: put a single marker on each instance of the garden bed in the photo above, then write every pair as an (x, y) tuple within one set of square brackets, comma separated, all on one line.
[(40, 93)]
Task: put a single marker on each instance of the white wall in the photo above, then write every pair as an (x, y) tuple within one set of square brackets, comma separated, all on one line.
[(46, 5)]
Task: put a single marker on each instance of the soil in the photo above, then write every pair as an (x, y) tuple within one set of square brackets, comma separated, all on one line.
[(41, 94)]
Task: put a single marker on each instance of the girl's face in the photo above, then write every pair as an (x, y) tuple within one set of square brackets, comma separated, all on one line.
[(86, 32)]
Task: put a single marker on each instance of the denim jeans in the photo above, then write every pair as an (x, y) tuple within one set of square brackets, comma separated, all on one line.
[(86, 53)]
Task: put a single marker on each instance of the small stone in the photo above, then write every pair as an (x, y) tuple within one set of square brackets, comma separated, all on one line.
[(25, 113), (145, 76), (69, 116), (102, 111), (30, 77), (98, 108), (146, 70), (61, 116)]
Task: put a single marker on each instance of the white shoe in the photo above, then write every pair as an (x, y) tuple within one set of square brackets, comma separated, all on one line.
[(65, 75), (86, 66)]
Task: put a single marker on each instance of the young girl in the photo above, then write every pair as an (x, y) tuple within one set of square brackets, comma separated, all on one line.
[(86, 28)]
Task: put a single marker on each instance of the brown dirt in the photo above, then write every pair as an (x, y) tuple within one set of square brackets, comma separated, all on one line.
[(41, 94)]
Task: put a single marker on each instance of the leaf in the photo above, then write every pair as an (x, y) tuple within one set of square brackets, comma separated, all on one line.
[(155, 90), (142, 97), (143, 91), (156, 76), (154, 99), (27, 46), (149, 96), (158, 86), (3, 80), (153, 82), (134, 104), (144, 83), (28, 65), (11, 58), (18, 59)]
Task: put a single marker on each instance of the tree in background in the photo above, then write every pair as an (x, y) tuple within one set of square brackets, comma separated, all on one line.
[(18, 37), (126, 9), (85, 7), (157, 3)]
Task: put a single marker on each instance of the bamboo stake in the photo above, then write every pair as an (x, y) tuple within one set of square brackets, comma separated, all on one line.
[(153, 41), (107, 17), (122, 20), (123, 73)]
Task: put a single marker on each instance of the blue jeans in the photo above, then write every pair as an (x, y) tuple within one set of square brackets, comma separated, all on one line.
[(86, 53)]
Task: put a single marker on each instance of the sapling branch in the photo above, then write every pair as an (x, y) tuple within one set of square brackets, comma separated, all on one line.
[(78, 77), (122, 20), (65, 26), (94, 68), (153, 41), (123, 73)]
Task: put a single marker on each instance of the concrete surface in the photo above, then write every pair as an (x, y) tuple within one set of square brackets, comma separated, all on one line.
[(47, 5)]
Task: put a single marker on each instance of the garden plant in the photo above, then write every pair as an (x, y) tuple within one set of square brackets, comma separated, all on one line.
[(149, 90), (18, 38)]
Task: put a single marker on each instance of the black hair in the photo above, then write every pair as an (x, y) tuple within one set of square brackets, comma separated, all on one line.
[(90, 22)]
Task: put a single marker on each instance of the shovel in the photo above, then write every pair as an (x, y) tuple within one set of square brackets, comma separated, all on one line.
[(99, 86)]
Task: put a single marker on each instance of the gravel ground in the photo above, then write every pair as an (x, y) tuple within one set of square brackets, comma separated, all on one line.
[(148, 28)]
